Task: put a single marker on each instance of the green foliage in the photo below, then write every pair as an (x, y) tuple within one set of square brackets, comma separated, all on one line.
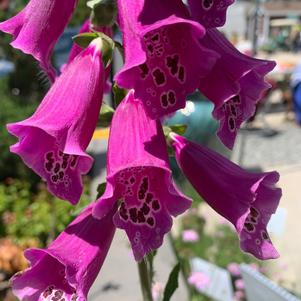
[(27, 214), (172, 283)]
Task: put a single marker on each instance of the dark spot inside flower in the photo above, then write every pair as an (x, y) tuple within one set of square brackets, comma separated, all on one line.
[(54, 178), (66, 157), (254, 212), (48, 292), (265, 235), (64, 165), (231, 122), (181, 75), (141, 194), (144, 70), (150, 49), (49, 155), (60, 153), (236, 99), (145, 209), (233, 110), (49, 166), (57, 168), (156, 205), (73, 161), (253, 220), (149, 197), (159, 77), (133, 214), (59, 293), (61, 175), (132, 180), (164, 100), (141, 217), (144, 184), (159, 49), (207, 4), (150, 221), (249, 227), (156, 38), (172, 63), (171, 97)]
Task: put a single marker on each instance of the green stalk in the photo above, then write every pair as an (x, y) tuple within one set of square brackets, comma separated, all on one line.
[(145, 281)]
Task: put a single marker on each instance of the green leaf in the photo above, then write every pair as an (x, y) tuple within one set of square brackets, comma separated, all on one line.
[(103, 12), (106, 115), (172, 283), (178, 128), (107, 48), (119, 94), (84, 39), (101, 189)]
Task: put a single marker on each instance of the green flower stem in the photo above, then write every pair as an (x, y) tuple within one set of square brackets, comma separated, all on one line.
[(182, 266), (145, 281)]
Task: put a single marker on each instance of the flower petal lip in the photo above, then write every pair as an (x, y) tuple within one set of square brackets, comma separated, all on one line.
[(70, 264), (240, 81), (37, 28), (160, 41), (139, 177), (210, 13), (53, 140), (248, 206)]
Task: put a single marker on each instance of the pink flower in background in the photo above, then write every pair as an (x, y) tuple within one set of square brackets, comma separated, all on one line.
[(246, 199), (37, 28), (240, 82), (190, 236), (239, 284), (234, 269), (68, 267), (210, 13), (239, 295), (139, 177), (53, 140), (199, 280), (157, 291), (163, 59)]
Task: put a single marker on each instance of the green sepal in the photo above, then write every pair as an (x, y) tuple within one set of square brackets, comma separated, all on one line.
[(84, 39), (105, 116), (103, 12), (179, 129), (119, 94), (172, 283), (101, 189)]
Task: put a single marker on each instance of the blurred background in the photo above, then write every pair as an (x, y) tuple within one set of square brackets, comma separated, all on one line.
[(213, 268)]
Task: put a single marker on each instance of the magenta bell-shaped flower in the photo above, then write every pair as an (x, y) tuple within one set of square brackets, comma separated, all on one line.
[(66, 270), (139, 177), (163, 59), (53, 140), (235, 85), (37, 28), (246, 199)]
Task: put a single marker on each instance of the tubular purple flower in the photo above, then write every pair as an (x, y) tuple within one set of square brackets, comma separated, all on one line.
[(37, 28), (235, 85), (66, 270), (163, 59), (210, 13), (140, 177), (246, 199), (53, 140)]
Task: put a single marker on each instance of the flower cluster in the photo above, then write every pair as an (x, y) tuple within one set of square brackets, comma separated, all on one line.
[(170, 50)]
